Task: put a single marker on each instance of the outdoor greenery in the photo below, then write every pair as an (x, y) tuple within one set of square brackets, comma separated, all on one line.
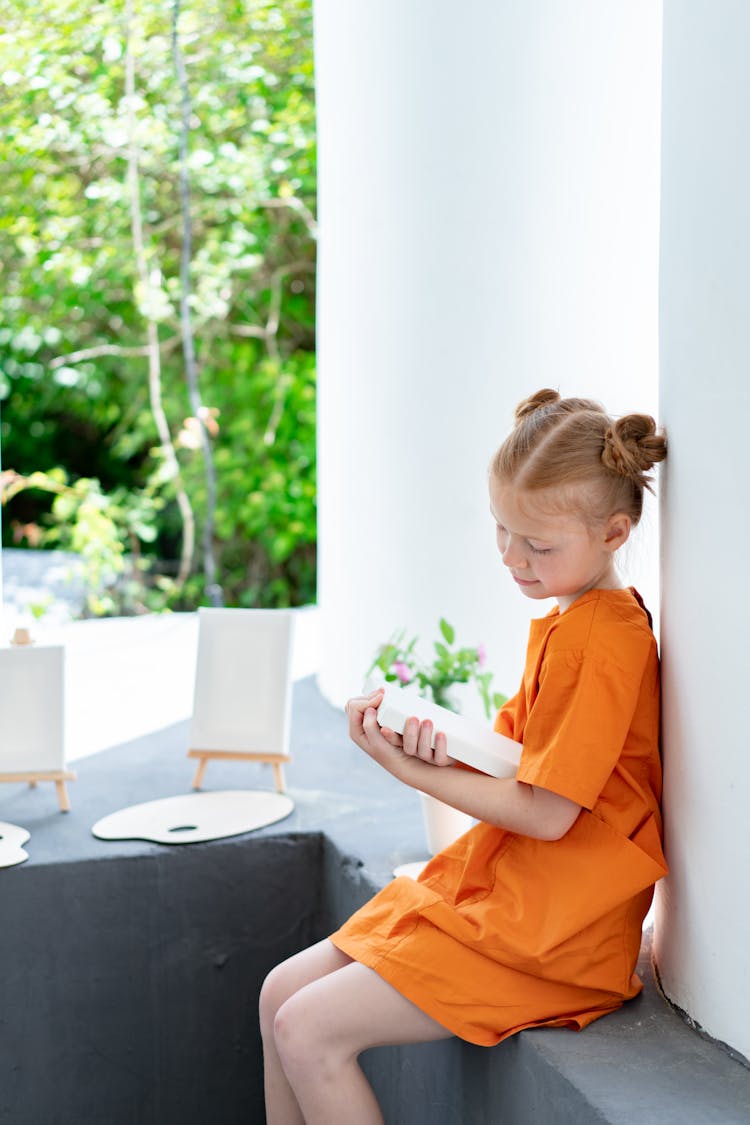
[(157, 254)]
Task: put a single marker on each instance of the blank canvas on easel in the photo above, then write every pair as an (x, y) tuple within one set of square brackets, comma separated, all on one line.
[(242, 698), (31, 709), (32, 741)]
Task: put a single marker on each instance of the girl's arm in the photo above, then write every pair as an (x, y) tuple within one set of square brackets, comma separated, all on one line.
[(504, 802)]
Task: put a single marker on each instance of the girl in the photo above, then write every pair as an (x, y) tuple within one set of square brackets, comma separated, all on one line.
[(534, 916)]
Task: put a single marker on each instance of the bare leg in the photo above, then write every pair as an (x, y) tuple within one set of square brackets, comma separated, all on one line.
[(281, 983), (319, 1032)]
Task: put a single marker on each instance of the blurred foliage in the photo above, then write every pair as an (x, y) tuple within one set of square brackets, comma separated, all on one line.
[(73, 368), (399, 663)]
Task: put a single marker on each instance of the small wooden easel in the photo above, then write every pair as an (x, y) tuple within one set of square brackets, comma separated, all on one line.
[(275, 760), (31, 715), (242, 697), (58, 776)]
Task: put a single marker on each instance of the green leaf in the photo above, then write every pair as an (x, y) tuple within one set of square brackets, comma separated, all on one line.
[(449, 633)]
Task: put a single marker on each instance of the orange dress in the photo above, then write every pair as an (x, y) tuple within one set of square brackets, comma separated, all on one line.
[(502, 931)]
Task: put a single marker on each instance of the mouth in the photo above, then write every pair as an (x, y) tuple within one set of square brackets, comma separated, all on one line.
[(524, 581)]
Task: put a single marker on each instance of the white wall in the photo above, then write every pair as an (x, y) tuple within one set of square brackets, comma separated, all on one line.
[(703, 915), (489, 207)]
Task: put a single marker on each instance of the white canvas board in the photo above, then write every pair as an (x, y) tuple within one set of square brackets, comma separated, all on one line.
[(242, 697), (31, 708), (468, 741)]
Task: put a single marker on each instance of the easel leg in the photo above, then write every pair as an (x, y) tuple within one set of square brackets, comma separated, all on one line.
[(278, 776), (198, 779), (33, 777), (62, 796)]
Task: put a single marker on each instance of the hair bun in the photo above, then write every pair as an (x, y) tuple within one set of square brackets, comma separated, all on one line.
[(545, 397), (632, 446)]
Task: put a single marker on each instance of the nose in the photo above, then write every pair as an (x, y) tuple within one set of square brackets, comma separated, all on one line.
[(512, 555)]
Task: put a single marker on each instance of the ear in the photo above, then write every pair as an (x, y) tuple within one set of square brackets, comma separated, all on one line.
[(616, 531)]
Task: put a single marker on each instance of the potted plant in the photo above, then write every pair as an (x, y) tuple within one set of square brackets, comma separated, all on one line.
[(398, 661)]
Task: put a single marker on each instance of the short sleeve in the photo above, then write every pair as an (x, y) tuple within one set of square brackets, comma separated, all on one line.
[(505, 720), (578, 724)]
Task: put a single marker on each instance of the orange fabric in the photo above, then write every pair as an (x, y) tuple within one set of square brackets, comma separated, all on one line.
[(501, 931)]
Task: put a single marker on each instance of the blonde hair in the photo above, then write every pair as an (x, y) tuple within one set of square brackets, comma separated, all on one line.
[(563, 444)]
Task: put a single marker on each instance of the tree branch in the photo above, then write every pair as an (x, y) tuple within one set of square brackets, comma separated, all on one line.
[(213, 588), (154, 357), (249, 330), (295, 204), (109, 349)]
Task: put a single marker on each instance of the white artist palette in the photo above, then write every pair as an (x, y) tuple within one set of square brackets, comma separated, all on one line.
[(11, 839), (468, 741), (195, 817)]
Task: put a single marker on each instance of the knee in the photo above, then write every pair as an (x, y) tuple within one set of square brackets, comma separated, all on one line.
[(275, 990), (297, 1035)]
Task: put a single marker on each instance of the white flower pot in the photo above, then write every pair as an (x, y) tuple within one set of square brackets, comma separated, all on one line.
[(442, 823)]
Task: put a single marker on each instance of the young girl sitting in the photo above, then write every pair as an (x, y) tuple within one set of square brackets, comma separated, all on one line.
[(534, 916)]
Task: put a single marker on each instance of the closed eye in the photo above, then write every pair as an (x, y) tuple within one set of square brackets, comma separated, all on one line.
[(539, 550)]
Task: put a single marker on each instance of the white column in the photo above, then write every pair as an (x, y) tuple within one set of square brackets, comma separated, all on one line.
[(489, 225), (703, 917)]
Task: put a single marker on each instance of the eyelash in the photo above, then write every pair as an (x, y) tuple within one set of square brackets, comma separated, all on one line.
[(534, 550)]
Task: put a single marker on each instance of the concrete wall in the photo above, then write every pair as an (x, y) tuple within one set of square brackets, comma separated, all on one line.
[(137, 1001), (703, 919), (489, 225), (139, 1006)]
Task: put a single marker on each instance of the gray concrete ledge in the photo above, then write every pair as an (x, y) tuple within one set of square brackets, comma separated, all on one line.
[(130, 971), (641, 1065)]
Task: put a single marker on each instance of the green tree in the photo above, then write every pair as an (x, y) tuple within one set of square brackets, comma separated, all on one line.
[(83, 309)]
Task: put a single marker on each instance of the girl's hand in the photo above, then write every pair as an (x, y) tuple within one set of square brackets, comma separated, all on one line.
[(355, 712), (417, 742), (502, 801), (373, 739), (386, 746)]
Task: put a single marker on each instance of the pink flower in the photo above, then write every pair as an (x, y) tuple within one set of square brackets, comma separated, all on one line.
[(402, 671), (481, 655)]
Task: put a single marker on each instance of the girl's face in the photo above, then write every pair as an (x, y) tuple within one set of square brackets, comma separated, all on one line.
[(554, 554)]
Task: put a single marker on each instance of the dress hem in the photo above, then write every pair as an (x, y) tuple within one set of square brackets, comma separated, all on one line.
[(372, 959)]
